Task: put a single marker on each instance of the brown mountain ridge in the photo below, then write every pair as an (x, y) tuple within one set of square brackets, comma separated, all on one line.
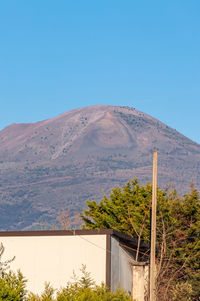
[(61, 162)]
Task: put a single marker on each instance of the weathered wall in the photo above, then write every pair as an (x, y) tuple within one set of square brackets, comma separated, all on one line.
[(54, 258), (140, 282), (121, 268)]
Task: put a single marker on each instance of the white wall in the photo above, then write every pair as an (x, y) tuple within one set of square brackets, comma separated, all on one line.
[(53, 258)]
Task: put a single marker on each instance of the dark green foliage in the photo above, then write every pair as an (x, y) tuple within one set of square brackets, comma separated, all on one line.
[(182, 291), (127, 210), (124, 210)]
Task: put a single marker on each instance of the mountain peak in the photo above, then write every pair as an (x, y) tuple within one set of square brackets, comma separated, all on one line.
[(61, 162)]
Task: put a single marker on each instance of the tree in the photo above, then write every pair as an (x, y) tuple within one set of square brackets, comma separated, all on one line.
[(4, 265), (127, 210)]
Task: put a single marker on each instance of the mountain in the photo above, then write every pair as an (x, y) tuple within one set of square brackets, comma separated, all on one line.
[(59, 163)]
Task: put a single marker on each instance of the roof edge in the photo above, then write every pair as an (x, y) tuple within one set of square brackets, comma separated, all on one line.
[(124, 237), (57, 232)]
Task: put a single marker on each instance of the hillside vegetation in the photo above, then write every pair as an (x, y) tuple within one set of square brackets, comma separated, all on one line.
[(59, 163)]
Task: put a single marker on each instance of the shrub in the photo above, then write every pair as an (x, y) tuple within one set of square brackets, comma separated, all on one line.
[(12, 287), (82, 289)]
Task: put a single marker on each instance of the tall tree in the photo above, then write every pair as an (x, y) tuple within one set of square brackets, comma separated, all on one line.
[(127, 209)]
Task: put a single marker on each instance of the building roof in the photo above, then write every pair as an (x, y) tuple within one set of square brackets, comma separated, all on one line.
[(123, 238)]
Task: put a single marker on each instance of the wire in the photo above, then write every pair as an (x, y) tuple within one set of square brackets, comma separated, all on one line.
[(107, 250)]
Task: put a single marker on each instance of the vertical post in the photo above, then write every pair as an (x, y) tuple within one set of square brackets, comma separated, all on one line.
[(152, 281), (108, 261)]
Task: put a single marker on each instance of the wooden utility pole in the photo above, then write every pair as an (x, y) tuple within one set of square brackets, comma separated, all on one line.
[(152, 281)]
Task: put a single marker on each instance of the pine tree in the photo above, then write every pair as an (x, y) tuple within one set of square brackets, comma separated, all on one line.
[(127, 210)]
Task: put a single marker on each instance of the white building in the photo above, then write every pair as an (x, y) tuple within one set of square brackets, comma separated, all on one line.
[(53, 256)]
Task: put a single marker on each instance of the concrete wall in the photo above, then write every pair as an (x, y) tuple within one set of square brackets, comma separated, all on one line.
[(54, 258), (140, 282), (121, 268)]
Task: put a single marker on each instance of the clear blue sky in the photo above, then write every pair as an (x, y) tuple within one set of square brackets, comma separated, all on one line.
[(59, 55)]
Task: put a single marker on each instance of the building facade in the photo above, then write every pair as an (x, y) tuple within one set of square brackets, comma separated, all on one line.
[(54, 256)]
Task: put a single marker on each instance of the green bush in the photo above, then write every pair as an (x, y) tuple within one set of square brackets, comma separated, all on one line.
[(182, 291), (12, 287), (83, 289)]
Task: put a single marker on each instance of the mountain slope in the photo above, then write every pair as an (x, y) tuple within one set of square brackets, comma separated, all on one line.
[(61, 162)]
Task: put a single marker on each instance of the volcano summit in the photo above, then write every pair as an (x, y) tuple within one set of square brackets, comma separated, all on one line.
[(61, 162)]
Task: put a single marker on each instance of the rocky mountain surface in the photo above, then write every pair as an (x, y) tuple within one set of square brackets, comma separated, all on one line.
[(59, 163)]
